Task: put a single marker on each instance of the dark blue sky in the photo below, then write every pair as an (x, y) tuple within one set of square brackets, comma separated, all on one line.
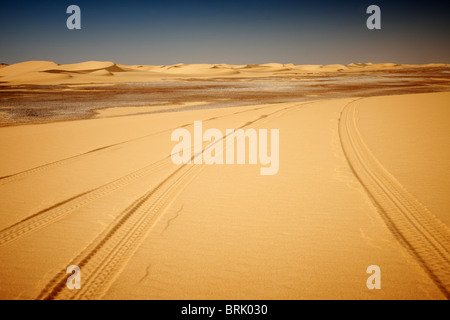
[(237, 32)]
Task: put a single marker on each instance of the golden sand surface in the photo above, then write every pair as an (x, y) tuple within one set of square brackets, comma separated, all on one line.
[(51, 73), (362, 181)]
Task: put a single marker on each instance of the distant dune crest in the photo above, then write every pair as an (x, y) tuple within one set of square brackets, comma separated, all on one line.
[(50, 73)]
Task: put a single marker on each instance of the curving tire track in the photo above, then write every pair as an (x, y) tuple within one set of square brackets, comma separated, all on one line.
[(108, 254), (23, 174), (426, 237), (42, 168), (59, 210), (101, 261)]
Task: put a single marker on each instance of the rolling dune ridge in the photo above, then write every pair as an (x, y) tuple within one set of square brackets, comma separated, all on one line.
[(43, 72)]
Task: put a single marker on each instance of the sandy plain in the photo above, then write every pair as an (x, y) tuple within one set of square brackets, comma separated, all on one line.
[(87, 179)]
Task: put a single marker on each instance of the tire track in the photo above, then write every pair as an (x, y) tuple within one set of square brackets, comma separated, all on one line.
[(102, 261), (425, 236), (23, 174), (54, 164), (61, 209)]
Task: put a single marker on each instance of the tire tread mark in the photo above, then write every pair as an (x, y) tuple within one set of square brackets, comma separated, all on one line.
[(23, 174), (102, 260), (59, 210), (425, 236)]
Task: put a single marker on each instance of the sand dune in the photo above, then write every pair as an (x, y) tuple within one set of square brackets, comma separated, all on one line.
[(25, 67), (102, 72), (37, 72), (38, 77), (86, 67), (204, 70)]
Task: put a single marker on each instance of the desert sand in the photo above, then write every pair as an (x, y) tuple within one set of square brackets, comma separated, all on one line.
[(362, 181), (50, 73)]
